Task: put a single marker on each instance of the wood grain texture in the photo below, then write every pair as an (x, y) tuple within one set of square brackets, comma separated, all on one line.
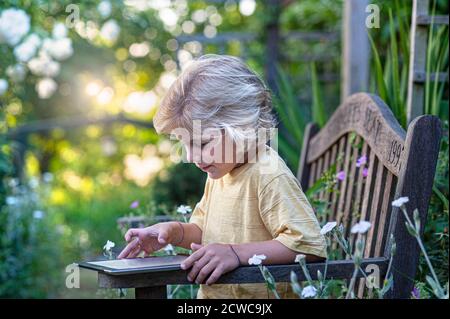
[(415, 182), (245, 274), (303, 172), (399, 164), (417, 60), (369, 117)]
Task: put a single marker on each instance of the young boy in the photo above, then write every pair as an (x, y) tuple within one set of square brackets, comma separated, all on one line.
[(252, 203)]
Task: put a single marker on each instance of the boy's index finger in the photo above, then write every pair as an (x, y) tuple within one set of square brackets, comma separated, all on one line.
[(132, 232), (128, 249), (188, 262)]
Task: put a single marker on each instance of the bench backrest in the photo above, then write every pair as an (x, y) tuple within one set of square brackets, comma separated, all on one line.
[(398, 164)]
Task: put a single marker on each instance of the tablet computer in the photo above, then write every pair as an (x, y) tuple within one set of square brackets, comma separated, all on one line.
[(135, 265)]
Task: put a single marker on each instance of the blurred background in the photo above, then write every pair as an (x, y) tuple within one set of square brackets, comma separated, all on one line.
[(81, 81)]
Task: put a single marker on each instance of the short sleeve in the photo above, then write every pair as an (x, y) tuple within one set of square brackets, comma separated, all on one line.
[(199, 212), (289, 217)]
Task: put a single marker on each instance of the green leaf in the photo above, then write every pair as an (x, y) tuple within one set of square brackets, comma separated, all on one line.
[(434, 286), (387, 285), (410, 229), (318, 107), (381, 86), (417, 220)]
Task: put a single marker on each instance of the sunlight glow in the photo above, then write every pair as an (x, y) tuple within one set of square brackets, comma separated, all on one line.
[(93, 88), (247, 7)]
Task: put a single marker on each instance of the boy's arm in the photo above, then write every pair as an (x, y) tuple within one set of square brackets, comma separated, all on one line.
[(209, 262), (185, 234), (279, 253)]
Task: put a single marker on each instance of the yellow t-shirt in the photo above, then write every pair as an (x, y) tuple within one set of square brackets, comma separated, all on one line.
[(257, 202)]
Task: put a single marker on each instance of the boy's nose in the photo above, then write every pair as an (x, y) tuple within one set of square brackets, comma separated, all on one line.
[(192, 157)]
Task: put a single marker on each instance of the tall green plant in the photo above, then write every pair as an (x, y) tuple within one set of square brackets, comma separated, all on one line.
[(437, 61), (391, 67), (294, 116), (391, 77)]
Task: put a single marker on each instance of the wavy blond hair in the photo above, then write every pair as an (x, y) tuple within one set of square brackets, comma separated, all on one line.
[(220, 91)]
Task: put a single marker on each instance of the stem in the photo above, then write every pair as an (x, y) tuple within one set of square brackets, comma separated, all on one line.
[(192, 291), (388, 269), (350, 254), (172, 293), (307, 275), (352, 283), (324, 276), (274, 291), (441, 290), (422, 248)]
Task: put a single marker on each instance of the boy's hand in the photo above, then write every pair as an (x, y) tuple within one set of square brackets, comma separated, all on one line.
[(148, 239), (212, 260)]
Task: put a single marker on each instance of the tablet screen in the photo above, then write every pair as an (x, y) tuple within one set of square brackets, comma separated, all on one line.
[(135, 265)]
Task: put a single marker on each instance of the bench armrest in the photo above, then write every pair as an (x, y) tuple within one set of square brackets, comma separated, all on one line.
[(340, 269)]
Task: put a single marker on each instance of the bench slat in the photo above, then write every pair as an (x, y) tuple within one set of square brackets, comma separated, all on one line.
[(375, 209), (347, 218), (357, 202), (388, 197), (368, 116), (246, 274), (343, 190), (338, 161)]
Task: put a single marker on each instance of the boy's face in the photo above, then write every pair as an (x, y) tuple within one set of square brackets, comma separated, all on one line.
[(213, 152)]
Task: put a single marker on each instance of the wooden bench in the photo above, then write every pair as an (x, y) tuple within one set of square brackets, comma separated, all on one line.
[(399, 164)]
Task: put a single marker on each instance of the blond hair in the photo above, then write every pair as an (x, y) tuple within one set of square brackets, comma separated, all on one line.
[(221, 92)]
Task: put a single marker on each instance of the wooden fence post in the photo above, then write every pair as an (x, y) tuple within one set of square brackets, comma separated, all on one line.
[(417, 60), (273, 40), (355, 48)]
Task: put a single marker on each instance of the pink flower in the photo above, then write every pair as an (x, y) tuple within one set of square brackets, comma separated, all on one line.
[(361, 161), (415, 293), (340, 176), (365, 172), (134, 204)]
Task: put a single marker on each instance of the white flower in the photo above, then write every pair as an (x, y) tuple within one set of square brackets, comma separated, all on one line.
[(59, 30), (47, 177), (46, 87), (3, 86), (361, 227), (328, 227), (184, 209), (256, 260), (38, 214), (28, 48), (34, 182), (104, 8), (16, 72), (14, 24), (43, 65), (60, 49), (309, 292), (399, 202), (13, 182), (109, 245), (169, 249), (110, 31), (11, 200), (299, 257)]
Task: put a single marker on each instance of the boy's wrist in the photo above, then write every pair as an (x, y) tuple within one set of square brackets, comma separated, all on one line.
[(177, 233), (233, 249)]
